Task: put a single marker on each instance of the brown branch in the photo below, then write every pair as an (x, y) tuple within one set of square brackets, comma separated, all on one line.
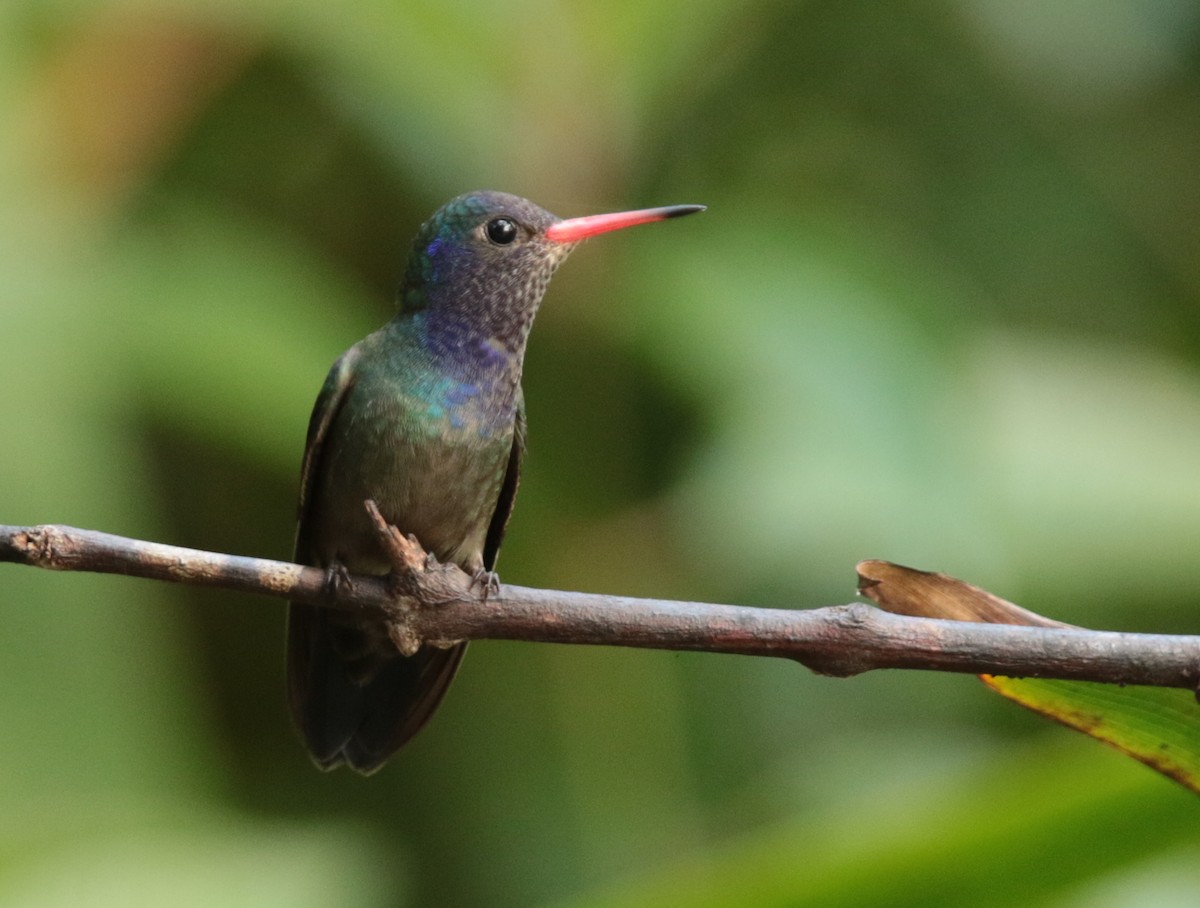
[(434, 603)]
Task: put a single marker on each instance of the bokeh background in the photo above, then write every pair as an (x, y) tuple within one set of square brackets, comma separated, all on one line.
[(944, 309)]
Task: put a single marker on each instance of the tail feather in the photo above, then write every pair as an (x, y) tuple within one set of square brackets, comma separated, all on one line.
[(350, 718)]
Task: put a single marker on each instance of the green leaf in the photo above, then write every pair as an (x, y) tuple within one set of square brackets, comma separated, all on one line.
[(1161, 728)]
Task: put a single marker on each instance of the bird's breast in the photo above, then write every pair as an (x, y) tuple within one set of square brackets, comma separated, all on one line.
[(431, 452)]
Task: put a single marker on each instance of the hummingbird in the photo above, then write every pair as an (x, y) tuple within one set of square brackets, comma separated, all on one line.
[(426, 417)]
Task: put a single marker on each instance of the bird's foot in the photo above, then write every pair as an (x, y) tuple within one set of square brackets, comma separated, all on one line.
[(337, 580), (487, 582)]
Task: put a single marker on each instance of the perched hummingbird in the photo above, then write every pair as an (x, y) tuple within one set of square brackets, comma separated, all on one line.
[(426, 417)]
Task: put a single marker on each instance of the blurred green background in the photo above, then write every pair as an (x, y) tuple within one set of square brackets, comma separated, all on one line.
[(944, 309)]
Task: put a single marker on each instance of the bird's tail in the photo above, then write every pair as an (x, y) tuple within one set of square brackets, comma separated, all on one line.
[(354, 697)]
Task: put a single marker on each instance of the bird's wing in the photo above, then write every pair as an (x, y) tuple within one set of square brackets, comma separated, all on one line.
[(323, 705), (329, 402), (508, 492)]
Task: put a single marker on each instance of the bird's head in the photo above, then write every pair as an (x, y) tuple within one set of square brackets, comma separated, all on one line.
[(485, 258)]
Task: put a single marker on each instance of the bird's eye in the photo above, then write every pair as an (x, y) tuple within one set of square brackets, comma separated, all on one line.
[(501, 231)]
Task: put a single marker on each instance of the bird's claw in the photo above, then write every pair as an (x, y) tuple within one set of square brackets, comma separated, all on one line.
[(487, 582), (337, 580)]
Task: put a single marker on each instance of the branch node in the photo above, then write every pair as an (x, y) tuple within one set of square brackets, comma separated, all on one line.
[(35, 546), (418, 580), (404, 552), (403, 635)]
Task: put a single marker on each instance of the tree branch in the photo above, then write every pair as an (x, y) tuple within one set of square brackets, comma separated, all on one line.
[(436, 604)]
